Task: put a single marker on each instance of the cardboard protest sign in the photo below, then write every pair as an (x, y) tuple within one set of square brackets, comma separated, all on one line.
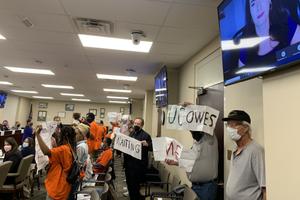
[(166, 148), (48, 128), (128, 145), (192, 117), (114, 116)]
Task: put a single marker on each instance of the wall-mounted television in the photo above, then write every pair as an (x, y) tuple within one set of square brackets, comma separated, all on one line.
[(3, 97), (258, 36), (161, 88)]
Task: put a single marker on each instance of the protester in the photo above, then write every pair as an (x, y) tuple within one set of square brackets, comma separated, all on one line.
[(105, 157), (246, 179), (135, 169), (60, 161)]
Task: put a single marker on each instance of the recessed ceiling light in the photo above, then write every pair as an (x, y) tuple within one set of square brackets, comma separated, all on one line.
[(25, 91), (5, 83), (116, 90), (29, 70), (58, 86), (80, 99), (121, 102), (42, 97), (70, 94), (2, 37), (113, 97), (114, 43), (116, 77)]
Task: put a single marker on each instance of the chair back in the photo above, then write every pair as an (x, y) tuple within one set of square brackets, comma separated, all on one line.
[(24, 168), (104, 193), (175, 182), (4, 168), (189, 194), (164, 176)]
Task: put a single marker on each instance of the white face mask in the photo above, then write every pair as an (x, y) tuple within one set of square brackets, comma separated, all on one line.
[(233, 133), (25, 144)]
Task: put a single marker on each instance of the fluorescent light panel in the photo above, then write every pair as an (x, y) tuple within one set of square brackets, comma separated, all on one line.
[(58, 86), (74, 99), (116, 77), (243, 44), (30, 70), (70, 94), (254, 70), (121, 102), (114, 43), (25, 91), (2, 37), (116, 90), (113, 97), (42, 97), (5, 83)]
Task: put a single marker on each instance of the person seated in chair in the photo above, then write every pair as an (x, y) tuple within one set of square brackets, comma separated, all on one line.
[(105, 157), (28, 148)]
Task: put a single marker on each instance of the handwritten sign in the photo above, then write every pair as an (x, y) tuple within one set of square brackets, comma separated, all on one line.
[(114, 116), (48, 128), (128, 145), (192, 117), (166, 148)]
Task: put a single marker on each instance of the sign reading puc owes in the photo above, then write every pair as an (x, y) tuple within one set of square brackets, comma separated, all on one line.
[(192, 117)]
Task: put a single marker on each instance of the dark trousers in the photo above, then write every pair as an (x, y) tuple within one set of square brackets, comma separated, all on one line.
[(133, 180), (206, 191)]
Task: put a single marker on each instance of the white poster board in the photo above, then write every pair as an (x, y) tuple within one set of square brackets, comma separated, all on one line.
[(192, 117), (128, 145), (166, 148), (114, 116), (48, 128)]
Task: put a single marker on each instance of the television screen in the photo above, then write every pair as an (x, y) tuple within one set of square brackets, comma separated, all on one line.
[(2, 99), (258, 36), (161, 88)]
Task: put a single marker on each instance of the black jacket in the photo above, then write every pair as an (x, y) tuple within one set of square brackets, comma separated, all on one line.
[(134, 163), (16, 158)]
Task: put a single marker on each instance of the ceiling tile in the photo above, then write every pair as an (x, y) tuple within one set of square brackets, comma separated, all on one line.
[(135, 11)]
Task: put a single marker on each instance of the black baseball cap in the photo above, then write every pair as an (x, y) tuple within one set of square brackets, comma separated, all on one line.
[(238, 115)]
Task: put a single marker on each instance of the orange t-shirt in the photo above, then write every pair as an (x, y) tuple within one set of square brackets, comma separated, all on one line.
[(104, 159), (97, 132), (60, 163)]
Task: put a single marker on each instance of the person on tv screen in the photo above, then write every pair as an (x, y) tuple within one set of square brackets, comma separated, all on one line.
[(271, 19)]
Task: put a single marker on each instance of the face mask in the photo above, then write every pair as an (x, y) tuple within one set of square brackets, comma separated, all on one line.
[(7, 148), (197, 136), (233, 133), (25, 144), (137, 128)]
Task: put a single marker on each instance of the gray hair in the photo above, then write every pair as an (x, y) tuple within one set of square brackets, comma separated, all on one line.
[(249, 127)]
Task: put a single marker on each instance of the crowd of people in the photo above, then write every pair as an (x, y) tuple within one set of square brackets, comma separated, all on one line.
[(91, 145)]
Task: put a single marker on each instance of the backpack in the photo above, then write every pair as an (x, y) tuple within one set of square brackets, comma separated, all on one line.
[(74, 172)]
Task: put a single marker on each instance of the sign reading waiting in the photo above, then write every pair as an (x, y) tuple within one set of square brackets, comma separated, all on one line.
[(192, 117), (128, 145)]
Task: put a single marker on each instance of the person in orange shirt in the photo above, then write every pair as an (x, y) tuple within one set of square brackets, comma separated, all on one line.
[(96, 134), (104, 158), (60, 160)]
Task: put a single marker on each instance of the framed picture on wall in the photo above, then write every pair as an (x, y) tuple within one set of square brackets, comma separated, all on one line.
[(102, 110), (122, 110), (42, 115), (62, 114), (43, 105), (102, 115), (69, 107), (94, 111)]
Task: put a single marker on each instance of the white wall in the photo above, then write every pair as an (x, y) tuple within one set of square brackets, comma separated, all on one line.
[(81, 107), (147, 111), (16, 109), (281, 116)]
